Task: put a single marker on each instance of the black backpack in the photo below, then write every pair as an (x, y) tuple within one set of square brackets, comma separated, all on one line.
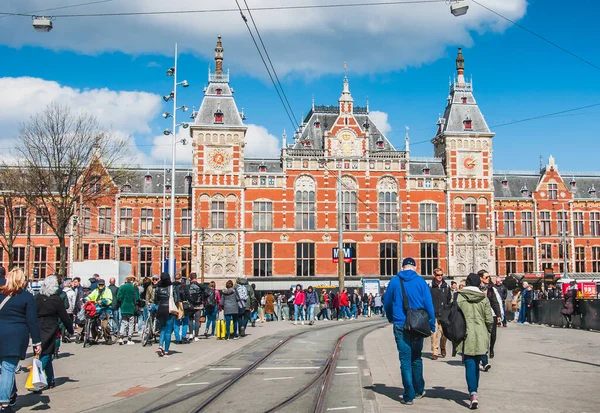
[(211, 299), (453, 322), (195, 294)]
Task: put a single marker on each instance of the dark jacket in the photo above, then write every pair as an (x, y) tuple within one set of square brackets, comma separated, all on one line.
[(252, 301), (49, 310), (491, 295), (184, 291), (441, 295), (127, 296), (115, 293), (161, 298), (18, 320), (570, 304), (312, 298), (502, 290), (229, 302)]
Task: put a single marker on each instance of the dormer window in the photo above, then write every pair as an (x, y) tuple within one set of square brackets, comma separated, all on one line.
[(573, 183), (426, 170), (464, 99), (219, 91), (126, 187), (505, 182), (380, 143), (317, 124), (262, 168), (188, 178), (307, 143), (468, 124), (218, 116), (524, 190), (592, 191), (148, 178), (168, 188)]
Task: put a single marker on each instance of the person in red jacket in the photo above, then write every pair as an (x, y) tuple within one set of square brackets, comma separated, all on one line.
[(344, 304), (299, 301)]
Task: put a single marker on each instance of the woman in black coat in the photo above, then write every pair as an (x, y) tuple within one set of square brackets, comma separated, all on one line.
[(569, 307), (18, 321), (166, 320), (50, 307)]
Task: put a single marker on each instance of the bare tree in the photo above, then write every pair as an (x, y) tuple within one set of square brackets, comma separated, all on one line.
[(65, 158), (11, 225)]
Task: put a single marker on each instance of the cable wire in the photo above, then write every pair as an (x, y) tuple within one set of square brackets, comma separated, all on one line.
[(56, 8), (299, 7), (538, 35)]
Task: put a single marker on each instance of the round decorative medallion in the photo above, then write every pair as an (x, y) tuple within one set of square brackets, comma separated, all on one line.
[(562, 194), (368, 237), (326, 238), (218, 158), (284, 237), (542, 194)]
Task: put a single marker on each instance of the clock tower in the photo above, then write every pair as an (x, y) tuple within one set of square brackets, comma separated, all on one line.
[(464, 143), (218, 135)]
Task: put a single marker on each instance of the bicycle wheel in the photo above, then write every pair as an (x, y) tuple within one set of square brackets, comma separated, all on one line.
[(147, 332), (156, 330), (87, 332)]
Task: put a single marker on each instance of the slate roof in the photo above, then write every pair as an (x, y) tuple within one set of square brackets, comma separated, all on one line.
[(457, 112), (137, 179), (326, 116), (436, 167), (224, 102), (515, 182), (251, 166)]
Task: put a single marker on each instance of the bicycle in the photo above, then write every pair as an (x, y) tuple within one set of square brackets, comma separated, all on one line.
[(93, 323), (150, 331)]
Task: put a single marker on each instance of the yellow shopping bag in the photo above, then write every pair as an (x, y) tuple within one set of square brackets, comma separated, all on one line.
[(36, 380), (29, 382)]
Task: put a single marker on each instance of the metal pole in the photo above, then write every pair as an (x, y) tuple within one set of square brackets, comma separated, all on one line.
[(474, 251), (162, 222), (202, 257), (173, 146), (565, 255), (340, 235)]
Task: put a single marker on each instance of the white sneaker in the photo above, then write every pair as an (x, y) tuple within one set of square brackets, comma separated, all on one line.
[(130, 343), (295, 323), (121, 341), (196, 339), (303, 323)]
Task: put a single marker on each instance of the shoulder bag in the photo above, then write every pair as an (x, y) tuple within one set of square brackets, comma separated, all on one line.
[(172, 306), (417, 320), (3, 303)]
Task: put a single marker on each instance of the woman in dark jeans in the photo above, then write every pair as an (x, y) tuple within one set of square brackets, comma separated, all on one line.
[(166, 320), (18, 321)]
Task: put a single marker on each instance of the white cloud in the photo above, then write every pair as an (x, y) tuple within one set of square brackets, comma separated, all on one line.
[(260, 143), (308, 42), (381, 120), (162, 149)]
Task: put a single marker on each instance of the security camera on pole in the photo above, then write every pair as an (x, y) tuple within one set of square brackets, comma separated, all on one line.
[(172, 72)]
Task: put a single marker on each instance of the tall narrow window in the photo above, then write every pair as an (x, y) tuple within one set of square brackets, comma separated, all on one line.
[(125, 254), (350, 268), (40, 261), (562, 248), (429, 258), (146, 262), (552, 191), (104, 251), (19, 257), (510, 255), (305, 259), (105, 220), (388, 211), (305, 210), (165, 220), (86, 221), (186, 261), (388, 258), (546, 251), (186, 221), (595, 224), (218, 214), (527, 223), (41, 216), (262, 218), (562, 221), (471, 217), (126, 221), (528, 259), (428, 217), (509, 225), (578, 224), (146, 221), (579, 259), (595, 259), (20, 220), (545, 223), (86, 251), (263, 259), (349, 215)]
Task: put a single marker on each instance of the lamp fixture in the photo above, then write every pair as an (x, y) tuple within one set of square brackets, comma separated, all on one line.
[(458, 7), (166, 115), (42, 23), (171, 71), (167, 132), (184, 83), (168, 97)]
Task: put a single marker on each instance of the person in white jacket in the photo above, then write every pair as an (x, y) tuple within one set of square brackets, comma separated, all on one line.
[(72, 297)]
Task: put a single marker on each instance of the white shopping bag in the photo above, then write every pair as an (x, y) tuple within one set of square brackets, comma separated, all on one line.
[(39, 380)]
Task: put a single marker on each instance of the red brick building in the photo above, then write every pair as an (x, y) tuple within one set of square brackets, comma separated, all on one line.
[(279, 217)]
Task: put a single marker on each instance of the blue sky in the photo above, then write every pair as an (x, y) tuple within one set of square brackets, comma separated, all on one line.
[(402, 66)]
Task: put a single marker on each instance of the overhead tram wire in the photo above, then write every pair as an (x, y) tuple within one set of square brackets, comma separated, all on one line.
[(539, 36), (289, 115), (268, 58), (266, 8), (56, 8)]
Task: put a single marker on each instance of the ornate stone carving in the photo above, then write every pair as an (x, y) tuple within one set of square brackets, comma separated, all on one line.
[(387, 184), (217, 269), (349, 184), (326, 238), (218, 237), (284, 237), (305, 183), (230, 238), (230, 269), (408, 237), (368, 237)]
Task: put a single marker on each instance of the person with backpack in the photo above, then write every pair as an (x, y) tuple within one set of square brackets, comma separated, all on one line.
[(182, 323), (408, 293), (197, 298), (477, 312), (232, 307), (245, 294), (441, 296)]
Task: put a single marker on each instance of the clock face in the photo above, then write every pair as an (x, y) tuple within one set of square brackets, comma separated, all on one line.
[(469, 163)]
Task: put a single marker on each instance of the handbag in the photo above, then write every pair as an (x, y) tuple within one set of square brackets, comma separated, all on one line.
[(36, 380), (172, 306), (417, 320), (3, 303)]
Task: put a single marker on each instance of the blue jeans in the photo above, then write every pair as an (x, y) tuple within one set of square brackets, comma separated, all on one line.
[(353, 313), (365, 310), (184, 322), (523, 312), (311, 312), (411, 364), (211, 320), (231, 332), (166, 329), (48, 367), (298, 309), (7, 378), (345, 312), (472, 373)]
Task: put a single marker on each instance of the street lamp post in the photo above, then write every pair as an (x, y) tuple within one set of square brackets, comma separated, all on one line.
[(172, 72), (340, 234)]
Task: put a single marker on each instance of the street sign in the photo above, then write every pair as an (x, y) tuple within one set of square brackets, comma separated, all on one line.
[(348, 254), (166, 265), (371, 287)]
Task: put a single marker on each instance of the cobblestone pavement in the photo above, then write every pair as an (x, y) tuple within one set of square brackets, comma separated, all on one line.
[(536, 369)]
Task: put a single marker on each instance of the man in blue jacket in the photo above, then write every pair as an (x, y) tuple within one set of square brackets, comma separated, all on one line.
[(409, 347)]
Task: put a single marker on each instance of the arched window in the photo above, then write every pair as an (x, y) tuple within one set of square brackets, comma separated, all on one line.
[(387, 190), (349, 208), (305, 203)]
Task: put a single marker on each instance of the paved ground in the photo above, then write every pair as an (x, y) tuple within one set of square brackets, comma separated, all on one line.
[(536, 369)]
